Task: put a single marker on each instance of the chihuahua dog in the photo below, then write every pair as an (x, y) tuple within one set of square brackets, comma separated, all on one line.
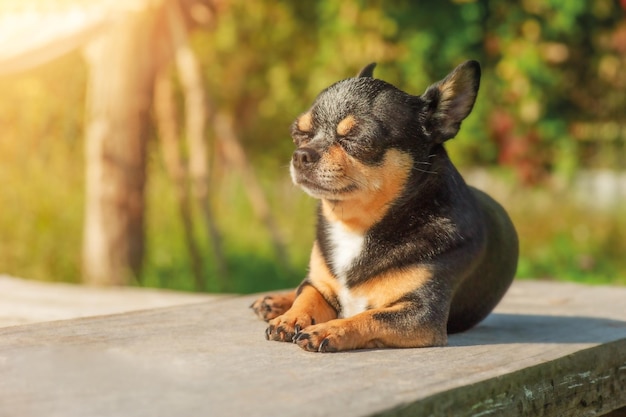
[(405, 251)]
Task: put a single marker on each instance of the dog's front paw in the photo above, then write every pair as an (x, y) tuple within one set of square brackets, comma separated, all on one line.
[(271, 306), (286, 327), (323, 338)]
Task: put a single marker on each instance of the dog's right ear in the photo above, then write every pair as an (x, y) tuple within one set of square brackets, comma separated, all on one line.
[(451, 100), (367, 71)]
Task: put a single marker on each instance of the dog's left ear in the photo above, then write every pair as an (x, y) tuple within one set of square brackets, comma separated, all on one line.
[(367, 71), (450, 100)]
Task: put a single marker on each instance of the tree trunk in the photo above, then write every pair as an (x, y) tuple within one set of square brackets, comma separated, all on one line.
[(122, 70), (196, 111), (167, 122)]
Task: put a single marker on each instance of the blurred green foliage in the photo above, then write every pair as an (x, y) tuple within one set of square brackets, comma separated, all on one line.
[(42, 171), (554, 71), (552, 102)]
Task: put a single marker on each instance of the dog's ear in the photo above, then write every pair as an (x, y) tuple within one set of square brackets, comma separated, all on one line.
[(367, 71), (450, 100)]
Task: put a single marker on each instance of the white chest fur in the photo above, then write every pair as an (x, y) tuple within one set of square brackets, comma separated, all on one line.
[(346, 248)]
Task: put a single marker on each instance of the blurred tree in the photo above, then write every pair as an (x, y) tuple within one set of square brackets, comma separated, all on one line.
[(546, 57), (124, 62), (122, 65)]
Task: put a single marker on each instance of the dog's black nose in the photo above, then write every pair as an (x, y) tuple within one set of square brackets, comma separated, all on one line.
[(304, 157)]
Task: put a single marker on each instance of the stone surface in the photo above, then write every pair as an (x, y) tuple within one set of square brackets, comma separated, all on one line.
[(26, 301), (550, 349)]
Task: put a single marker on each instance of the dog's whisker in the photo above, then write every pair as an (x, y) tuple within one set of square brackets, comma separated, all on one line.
[(425, 171), (356, 180)]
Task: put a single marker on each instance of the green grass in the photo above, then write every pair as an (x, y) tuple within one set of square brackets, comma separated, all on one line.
[(41, 214), (562, 240)]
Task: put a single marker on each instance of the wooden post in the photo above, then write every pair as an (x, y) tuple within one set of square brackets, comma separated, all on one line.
[(122, 70), (169, 133), (196, 112)]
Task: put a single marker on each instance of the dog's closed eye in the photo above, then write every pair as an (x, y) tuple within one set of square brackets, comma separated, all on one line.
[(346, 126)]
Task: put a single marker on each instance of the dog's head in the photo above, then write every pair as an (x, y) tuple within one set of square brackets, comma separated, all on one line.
[(363, 135)]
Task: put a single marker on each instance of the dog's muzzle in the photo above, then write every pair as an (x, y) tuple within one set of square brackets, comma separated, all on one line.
[(305, 158)]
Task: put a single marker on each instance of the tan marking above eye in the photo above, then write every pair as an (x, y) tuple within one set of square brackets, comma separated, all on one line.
[(346, 125), (305, 122)]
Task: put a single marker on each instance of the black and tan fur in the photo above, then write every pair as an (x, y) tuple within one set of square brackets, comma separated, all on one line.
[(405, 251)]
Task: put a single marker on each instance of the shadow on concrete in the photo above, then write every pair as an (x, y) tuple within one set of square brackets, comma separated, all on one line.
[(501, 328)]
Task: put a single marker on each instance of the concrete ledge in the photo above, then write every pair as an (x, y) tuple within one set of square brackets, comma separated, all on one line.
[(26, 301), (550, 349)]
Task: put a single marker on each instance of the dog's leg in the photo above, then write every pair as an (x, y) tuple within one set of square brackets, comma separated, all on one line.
[(400, 327), (273, 305), (308, 308)]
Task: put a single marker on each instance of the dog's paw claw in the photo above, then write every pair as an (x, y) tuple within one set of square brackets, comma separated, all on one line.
[(323, 346), (297, 332), (320, 338), (286, 328), (300, 336)]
